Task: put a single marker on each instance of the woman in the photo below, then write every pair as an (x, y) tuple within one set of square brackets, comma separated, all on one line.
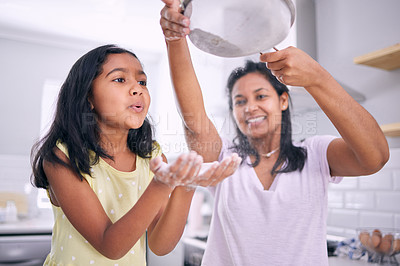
[(272, 210)]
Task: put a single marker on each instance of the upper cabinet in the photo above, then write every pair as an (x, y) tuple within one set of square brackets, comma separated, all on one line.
[(387, 58)]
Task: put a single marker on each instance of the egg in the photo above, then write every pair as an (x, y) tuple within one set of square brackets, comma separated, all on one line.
[(364, 238), (396, 245), (385, 245), (376, 238)]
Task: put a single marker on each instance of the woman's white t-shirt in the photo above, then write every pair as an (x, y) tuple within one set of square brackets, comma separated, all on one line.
[(285, 225)]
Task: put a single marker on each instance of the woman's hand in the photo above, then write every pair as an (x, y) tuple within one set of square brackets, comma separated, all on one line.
[(213, 173), (174, 25), (187, 170), (294, 67)]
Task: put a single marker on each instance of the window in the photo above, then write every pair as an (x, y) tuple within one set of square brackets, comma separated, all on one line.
[(48, 108)]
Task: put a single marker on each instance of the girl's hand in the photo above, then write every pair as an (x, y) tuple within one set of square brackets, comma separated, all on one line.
[(179, 172), (294, 67), (186, 170), (174, 25)]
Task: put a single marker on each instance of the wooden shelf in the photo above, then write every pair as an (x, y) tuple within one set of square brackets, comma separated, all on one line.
[(387, 58), (391, 130)]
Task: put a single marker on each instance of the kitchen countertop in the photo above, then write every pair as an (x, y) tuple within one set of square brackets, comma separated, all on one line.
[(41, 224), (333, 261), (343, 261)]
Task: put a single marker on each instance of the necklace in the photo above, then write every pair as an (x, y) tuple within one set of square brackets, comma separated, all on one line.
[(269, 153)]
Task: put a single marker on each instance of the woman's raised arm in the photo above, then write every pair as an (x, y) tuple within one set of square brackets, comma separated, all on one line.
[(201, 134), (363, 148)]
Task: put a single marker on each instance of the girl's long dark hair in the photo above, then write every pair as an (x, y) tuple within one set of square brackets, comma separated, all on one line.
[(293, 156), (75, 123)]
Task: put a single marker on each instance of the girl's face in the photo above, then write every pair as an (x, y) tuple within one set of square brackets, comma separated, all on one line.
[(257, 108), (119, 94)]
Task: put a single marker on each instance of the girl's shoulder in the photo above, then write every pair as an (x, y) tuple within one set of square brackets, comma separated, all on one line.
[(63, 147), (156, 150)]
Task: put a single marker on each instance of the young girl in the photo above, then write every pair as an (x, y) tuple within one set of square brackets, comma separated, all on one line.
[(96, 165), (273, 209)]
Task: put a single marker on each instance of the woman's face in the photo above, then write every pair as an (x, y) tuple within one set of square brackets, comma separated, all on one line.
[(257, 108), (120, 97)]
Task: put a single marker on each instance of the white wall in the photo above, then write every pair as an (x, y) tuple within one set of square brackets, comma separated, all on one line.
[(24, 68)]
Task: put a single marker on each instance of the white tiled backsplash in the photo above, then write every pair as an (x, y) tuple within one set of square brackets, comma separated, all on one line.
[(368, 201), (15, 171)]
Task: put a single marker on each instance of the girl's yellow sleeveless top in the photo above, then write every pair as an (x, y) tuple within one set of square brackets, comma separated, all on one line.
[(118, 192)]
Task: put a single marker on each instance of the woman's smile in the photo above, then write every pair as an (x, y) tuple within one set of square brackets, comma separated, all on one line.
[(255, 121)]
